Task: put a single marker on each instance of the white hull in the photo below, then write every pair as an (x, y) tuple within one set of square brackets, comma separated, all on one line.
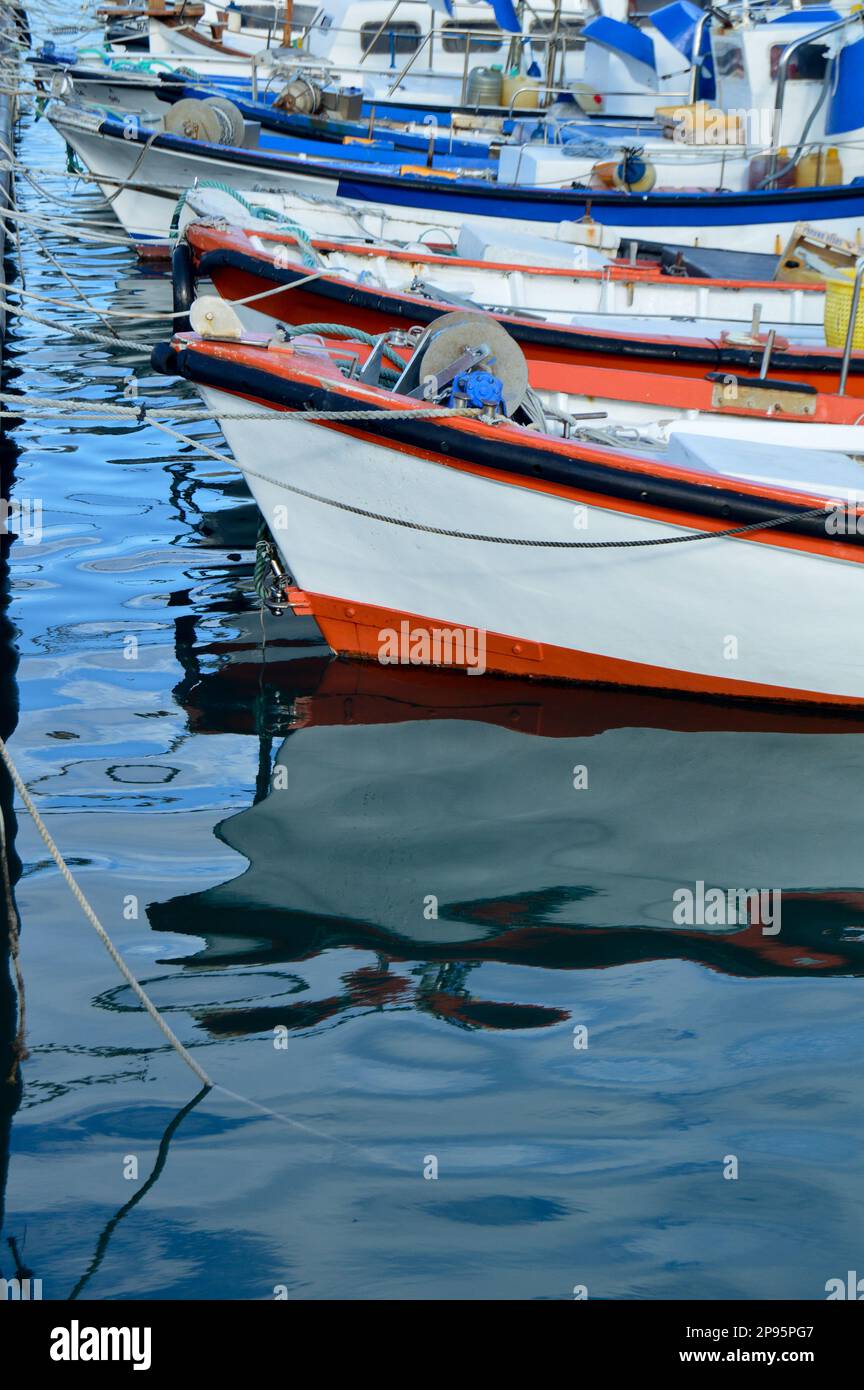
[(789, 612), (158, 177), (162, 175), (671, 305), (165, 38), (333, 217)]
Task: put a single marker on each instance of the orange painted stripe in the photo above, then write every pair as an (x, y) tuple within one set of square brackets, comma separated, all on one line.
[(571, 350), (205, 238), (352, 630)]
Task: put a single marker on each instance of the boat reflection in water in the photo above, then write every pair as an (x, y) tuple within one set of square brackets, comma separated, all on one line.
[(548, 827)]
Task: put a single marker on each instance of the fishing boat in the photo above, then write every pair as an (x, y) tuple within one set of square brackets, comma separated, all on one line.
[(699, 186), (402, 46), (144, 170), (458, 52), (294, 105), (562, 303), (626, 71), (539, 547), (737, 194), (296, 109), (362, 222)]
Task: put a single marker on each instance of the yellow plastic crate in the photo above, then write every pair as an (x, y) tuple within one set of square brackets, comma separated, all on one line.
[(838, 307)]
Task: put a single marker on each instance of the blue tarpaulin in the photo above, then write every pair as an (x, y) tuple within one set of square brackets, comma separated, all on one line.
[(620, 38), (505, 14)]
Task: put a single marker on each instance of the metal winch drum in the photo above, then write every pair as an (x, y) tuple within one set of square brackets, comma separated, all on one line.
[(302, 97), (467, 352), (216, 120)]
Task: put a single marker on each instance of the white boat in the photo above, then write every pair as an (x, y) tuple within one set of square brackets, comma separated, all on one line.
[(554, 281), (543, 550), (442, 71), (682, 192), (415, 51)]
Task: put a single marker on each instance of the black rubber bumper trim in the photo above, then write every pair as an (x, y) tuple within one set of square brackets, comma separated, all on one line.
[(720, 503)]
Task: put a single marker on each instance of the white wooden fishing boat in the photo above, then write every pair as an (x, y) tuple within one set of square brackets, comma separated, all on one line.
[(699, 192), (546, 284), (537, 549)]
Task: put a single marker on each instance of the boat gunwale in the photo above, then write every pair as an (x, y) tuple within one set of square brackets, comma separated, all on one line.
[(607, 477)]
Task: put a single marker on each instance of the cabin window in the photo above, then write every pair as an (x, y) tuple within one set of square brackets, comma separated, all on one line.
[(457, 43), (273, 16), (399, 37), (568, 30), (807, 65), (729, 58)]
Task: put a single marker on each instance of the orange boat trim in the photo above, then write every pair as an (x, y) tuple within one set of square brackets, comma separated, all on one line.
[(354, 630)]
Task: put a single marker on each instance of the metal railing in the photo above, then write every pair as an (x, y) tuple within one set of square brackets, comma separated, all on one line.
[(481, 39), (850, 330), (782, 75), (696, 72)]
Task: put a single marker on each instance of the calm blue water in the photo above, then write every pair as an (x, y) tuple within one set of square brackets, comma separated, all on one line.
[(263, 835)]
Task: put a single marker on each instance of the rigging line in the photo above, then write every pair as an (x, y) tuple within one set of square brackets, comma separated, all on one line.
[(159, 313), (94, 921), (779, 519)]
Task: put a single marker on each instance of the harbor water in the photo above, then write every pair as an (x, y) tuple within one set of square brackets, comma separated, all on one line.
[(420, 930)]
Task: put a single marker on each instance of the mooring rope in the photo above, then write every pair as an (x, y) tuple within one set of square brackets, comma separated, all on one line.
[(19, 1050), (142, 315), (145, 415), (84, 231), (40, 406), (61, 270), (75, 331), (94, 921)]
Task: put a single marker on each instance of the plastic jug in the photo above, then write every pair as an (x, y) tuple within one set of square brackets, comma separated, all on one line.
[(522, 91), (818, 168)]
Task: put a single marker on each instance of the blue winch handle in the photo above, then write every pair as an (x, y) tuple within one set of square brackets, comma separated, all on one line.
[(477, 389)]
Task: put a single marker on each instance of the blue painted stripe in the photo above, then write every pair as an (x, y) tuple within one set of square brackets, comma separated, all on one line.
[(683, 210), (379, 183)]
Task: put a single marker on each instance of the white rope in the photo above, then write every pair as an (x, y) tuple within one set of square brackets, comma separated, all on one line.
[(83, 231), (97, 926), (39, 407), (86, 334), (139, 315)]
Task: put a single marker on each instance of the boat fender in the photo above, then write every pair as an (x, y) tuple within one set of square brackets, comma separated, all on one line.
[(212, 317), (182, 284), (62, 87), (635, 173)]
